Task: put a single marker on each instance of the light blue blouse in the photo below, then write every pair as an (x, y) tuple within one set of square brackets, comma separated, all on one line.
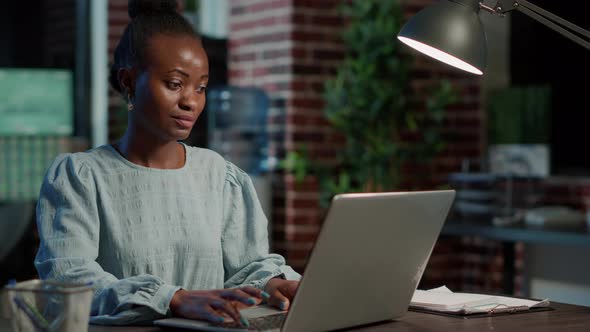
[(139, 234)]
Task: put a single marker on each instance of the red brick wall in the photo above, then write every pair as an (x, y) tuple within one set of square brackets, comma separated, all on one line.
[(289, 48), (118, 20), (317, 52)]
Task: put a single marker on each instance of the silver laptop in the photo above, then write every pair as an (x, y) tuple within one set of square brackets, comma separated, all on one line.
[(364, 268)]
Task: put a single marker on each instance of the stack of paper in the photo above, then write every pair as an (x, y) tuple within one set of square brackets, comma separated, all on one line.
[(444, 300)]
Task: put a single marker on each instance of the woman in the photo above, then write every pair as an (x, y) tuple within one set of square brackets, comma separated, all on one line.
[(158, 227)]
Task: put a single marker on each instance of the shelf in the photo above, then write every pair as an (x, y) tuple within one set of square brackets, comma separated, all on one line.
[(528, 235)]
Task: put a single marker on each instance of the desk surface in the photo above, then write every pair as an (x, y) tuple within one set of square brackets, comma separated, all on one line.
[(565, 318)]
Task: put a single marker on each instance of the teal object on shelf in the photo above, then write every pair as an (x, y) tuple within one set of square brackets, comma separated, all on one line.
[(36, 102)]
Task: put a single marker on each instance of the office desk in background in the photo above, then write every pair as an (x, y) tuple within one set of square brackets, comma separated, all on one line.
[(509, 235), (565, 318)]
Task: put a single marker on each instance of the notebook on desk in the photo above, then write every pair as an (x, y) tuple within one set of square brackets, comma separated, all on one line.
[(444, 301), (365, 265)]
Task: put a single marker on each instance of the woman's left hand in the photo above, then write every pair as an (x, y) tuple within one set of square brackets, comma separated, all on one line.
[(281, 292)]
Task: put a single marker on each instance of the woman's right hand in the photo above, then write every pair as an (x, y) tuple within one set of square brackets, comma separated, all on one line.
[(215, 305)]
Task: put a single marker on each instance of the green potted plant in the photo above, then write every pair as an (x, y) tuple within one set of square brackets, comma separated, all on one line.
[(367, 103)]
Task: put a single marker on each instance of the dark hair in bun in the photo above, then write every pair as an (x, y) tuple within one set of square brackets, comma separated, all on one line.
[(148, 17)]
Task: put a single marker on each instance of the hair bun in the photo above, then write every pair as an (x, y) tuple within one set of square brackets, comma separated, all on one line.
[(147, 7)]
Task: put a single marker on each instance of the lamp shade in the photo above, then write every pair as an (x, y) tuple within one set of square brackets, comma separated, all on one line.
[(451, 32)]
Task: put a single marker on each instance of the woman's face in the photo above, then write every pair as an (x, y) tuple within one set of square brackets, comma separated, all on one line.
[(170, 89)]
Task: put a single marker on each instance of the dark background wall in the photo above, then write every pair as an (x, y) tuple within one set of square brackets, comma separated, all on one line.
[(22, 35), (542, 56)]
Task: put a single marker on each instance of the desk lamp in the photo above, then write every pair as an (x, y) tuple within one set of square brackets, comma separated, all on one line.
[(451, 30)]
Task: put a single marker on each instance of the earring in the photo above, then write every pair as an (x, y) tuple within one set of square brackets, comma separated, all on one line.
[(129, 102)]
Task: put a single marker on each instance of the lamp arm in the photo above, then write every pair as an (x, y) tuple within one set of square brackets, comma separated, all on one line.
[(554, 17), (546, 18)]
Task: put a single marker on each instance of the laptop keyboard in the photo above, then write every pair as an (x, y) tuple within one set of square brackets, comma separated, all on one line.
[(260, 323)]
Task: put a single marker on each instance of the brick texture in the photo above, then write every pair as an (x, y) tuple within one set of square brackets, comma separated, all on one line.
[(118, 20), (289, 48)]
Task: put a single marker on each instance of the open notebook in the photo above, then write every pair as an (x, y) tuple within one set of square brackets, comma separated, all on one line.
[(445, 301)]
